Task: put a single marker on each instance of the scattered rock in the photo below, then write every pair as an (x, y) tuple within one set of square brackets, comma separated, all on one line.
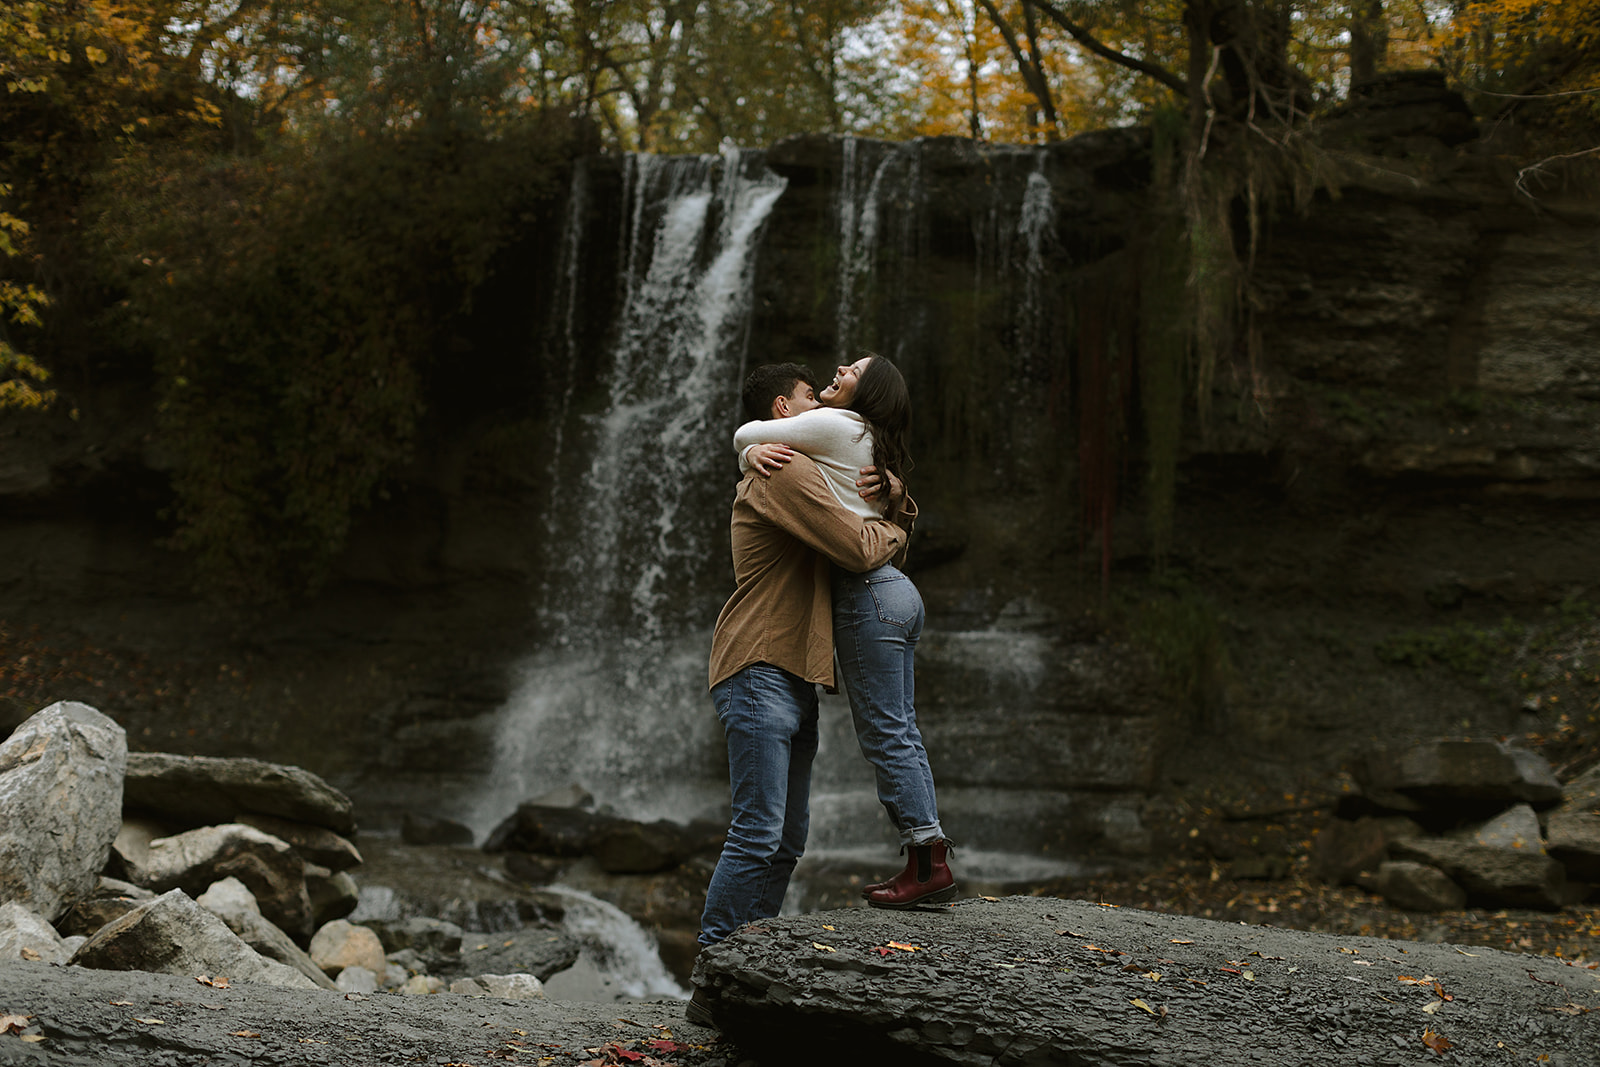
[(534, 870), (357, 979), (173, 935), (1464, 778), (1346, 848), (422, 985), (1495, 875), (231, 902), (1417, 887), (548, 831), (1516, 828), (333, 895), (436, 943), (205, 791), (504, 986), (110, 899), (61, 784), (433, 830), (272, 871), (24, 935), (316, 844), (1573, 838), (340, 944), (541, 953)]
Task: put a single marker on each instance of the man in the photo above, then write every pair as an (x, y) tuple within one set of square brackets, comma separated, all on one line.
[(772, 646)]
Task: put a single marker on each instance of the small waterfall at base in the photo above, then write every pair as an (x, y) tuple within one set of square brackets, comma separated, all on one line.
[(619, 957), (636, 534)]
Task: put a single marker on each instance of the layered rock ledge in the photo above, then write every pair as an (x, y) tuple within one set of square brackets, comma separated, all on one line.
[(1025, 980)]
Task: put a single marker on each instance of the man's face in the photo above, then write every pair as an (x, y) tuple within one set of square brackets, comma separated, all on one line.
[(801, 398)]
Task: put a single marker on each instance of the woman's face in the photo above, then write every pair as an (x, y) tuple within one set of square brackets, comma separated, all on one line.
[(842, 389)]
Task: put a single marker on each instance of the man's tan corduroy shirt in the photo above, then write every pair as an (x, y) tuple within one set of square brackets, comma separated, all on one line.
[(786, 529)]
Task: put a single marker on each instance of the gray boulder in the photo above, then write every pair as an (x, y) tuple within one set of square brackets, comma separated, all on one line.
[(1573, 839), (316, 844), (1417, 887), (61, 782), (541, 952), (110, 899), (1519, 877), (340, 944), (173, 935), (272, 871), (1515, 828), (503, 986), (1345, 848), (416, 829), (334, 894), (1472, 778), (24, 935), (437, 943), (205, 790), (231, 902)]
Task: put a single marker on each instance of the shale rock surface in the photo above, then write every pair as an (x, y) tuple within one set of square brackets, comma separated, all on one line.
[(1025, 980)]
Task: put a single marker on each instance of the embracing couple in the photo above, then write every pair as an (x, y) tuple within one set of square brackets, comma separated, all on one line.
[(819, 520)]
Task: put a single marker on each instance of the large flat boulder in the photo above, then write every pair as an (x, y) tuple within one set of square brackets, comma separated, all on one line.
[(61, 778), (272, 870), (1525, 878), (1461, 777), (206, 790), (173, 935), (1028, 980)]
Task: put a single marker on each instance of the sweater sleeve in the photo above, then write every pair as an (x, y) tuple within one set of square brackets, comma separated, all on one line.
[(797, 500), (818, 432)]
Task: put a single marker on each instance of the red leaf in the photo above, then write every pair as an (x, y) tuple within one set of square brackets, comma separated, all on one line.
[(667, 1046)]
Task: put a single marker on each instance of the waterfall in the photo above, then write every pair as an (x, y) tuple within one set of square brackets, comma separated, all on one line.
[(615, 698), (617, 955), (874, 178)]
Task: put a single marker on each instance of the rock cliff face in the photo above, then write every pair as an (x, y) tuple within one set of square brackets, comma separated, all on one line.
[(1411, 440)]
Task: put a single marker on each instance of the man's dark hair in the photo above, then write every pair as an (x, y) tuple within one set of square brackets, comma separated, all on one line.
[(768, 382)]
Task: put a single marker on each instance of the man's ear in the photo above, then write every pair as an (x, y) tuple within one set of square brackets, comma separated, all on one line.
[(780, 407)]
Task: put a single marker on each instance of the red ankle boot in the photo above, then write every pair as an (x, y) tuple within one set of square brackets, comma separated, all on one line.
[(911, 863), (926, 880)]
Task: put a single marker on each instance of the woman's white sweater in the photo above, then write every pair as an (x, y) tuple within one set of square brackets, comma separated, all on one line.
[(837, 439)]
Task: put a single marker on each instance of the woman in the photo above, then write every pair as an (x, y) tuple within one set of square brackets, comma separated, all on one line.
[(863, 420)]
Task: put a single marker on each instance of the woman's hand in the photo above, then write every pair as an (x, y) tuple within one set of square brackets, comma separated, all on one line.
[(767, 459), (871, 484)]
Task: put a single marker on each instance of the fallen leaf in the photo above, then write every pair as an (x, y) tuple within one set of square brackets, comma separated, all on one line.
[(1229, 970), (13, 1023), (1154, 976), (882, 951), (902, 946), (1433, 1006), (150, 1022), (994, 900), (1464, 952), (1176, 941), (1139, 1003), (1248, 976), (1351, 951), (1570, 1009), (1438, 990), (825, 926), (219, 982), (667, 1046), (32, 1038), (121, 1003), (1363, 963), (30, 954), (1438, 1042), (820, 947), (243, 1033)]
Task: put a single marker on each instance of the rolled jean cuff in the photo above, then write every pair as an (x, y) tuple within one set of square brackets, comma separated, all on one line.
[(921, 835)]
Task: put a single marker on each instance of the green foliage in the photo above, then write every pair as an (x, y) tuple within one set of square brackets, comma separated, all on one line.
[(1460, 647), (294, 305)]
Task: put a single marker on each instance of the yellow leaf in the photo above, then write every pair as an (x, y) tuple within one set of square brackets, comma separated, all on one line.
[(902, 946), (95, 55), (1248, 976), (150, 1022), (1141, 1005), (825, 926), (32, 1038), (1431, 1008), (820, 947)]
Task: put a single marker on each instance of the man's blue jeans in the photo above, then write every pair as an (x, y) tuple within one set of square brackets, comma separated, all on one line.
[(877, 619), (770, 718)]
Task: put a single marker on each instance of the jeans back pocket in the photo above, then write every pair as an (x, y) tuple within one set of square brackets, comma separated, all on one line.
[(896, 598)]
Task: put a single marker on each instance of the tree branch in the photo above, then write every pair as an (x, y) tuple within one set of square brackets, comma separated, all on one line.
[(1090, 42)]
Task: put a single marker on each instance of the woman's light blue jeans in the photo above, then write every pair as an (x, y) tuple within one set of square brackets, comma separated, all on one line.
[(877, 619), (770, 719)]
